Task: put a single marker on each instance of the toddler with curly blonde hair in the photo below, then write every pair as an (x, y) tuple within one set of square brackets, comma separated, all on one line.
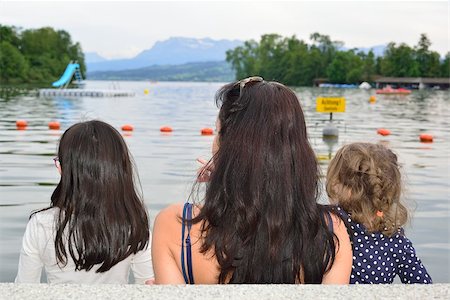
[(364, 181)]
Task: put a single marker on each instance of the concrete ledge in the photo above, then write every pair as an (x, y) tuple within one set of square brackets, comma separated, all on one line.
[(259, 292)]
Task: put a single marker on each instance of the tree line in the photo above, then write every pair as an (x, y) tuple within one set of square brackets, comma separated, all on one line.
[(294, 62), (36, 55)]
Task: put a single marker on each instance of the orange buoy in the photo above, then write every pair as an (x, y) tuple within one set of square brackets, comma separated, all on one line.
[(383, 131), (426, 138), (127, 127), (166, 129), (54, 125), (21, 124), (207, 131), (372, 99)]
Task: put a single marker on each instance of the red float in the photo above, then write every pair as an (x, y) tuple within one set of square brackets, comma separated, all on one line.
[(21, 124), (207, 131), (426, 138), (383, 131), (127, 127), (54, 125), (166, 129)]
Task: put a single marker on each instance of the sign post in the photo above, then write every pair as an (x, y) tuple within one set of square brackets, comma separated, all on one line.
[(330, 105)]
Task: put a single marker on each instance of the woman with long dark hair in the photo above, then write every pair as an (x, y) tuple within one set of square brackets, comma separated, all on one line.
[(96, 227), (260, 221)]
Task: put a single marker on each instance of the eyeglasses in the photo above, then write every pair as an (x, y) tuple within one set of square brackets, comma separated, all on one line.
[(244, 81), (56, 161)]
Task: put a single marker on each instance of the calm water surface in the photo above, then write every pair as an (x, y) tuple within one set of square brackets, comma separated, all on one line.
[(166, 163)]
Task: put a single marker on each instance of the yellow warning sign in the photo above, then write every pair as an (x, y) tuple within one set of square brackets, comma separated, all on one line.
[(330, 104)]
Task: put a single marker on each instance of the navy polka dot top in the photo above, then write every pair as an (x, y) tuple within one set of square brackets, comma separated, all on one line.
[(378, 258)]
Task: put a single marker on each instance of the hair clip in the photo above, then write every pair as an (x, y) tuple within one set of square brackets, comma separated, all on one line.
[(379, 213)]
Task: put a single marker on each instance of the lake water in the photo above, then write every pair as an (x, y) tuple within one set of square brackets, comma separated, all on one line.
[(166, 163)]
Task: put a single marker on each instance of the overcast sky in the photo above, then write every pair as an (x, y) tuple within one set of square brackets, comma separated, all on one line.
[(123, 28)]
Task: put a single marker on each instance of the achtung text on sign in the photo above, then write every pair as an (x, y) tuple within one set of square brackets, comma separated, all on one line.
[(330, 104)]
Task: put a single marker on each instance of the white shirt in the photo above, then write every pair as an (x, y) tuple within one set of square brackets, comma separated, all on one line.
[(38, 251)]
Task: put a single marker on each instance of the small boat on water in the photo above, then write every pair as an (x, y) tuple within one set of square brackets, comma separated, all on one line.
[(390, 91)]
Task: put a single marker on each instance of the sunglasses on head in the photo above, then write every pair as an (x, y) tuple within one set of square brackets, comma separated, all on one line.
[(242, 83), (247, 80)]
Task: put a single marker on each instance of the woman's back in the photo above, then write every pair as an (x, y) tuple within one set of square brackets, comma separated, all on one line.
[(259, 220), (167, 248), (167, 233)]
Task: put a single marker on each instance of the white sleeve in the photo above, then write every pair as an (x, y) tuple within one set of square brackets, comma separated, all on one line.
[(30, 263), (141, 264)]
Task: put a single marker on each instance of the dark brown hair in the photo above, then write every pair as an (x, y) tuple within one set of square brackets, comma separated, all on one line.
[(364, 178), (102, 218), (260, 216)]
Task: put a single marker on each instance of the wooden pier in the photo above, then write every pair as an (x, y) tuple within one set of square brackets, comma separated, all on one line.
[(84, 93), (413, 82)]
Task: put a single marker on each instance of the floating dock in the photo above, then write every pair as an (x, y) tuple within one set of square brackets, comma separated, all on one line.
[(84, 93)]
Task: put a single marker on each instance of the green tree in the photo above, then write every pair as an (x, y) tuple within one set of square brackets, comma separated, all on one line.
[(445, 66), (337, 70), (13, 66), (399, 61), (368, 66), (39, 55), (295, 61), (346, 67), (427, 61), (9, 34), (243, 59), (323, 51), (270, 52)]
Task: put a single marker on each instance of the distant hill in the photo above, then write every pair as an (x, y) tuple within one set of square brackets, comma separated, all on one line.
[(92, 57), (174, 51), (197, 71), (378, 50)]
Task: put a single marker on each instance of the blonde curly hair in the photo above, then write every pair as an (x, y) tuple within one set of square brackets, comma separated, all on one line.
[(364, 179)]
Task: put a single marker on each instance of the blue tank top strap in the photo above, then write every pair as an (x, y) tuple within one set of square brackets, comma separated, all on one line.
[(186, 260), (183, 227), (189, 246)]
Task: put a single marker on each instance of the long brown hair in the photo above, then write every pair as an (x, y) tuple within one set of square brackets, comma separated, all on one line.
[(364, 179), (260, 215), (102, 218)]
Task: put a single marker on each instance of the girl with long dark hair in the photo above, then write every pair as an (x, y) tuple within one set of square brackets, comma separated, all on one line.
[(260, 221), (96, 227)]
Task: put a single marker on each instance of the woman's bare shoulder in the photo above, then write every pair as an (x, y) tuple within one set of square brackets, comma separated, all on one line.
[(171, 210), (170, 215), (167, 227)]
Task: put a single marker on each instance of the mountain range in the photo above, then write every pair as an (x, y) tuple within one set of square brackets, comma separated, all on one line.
[(377, 50), (173, 51)]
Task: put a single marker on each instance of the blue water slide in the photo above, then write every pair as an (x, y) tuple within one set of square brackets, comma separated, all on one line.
[(67, 76)]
